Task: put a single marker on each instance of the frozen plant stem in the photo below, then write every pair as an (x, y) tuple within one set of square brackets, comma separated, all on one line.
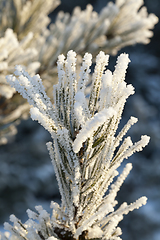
[(83, 149)]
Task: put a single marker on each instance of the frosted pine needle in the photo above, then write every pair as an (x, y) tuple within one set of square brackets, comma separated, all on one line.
[(84, 140)]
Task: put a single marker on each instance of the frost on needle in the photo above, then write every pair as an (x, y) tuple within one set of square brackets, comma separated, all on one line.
[(84, 140)]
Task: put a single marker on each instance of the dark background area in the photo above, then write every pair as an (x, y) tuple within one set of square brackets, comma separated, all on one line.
[(26, 174)]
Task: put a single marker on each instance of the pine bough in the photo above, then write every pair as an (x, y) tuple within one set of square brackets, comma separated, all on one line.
[(83, 149), (24, 28)]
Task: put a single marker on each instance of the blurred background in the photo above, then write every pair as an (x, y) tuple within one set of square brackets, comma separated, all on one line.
[(27, 176)]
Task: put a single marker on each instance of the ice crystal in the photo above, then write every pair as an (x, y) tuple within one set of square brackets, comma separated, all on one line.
[(84, 140)]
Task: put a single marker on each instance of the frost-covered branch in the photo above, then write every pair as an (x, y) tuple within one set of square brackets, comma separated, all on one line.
[(24, 16), (26, 38), (14, 52), (84, 140), (117, 25)]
